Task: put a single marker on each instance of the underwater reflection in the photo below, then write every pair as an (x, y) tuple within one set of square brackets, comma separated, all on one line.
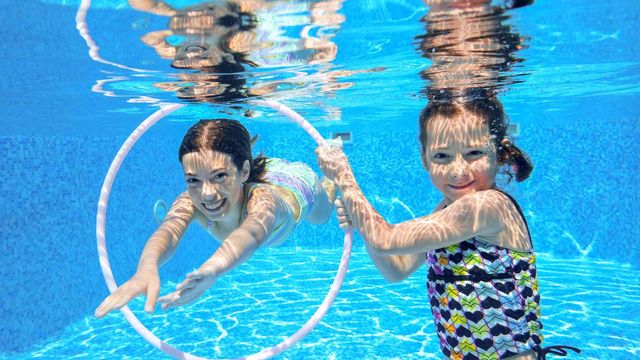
[(224, 41), (471, 47)]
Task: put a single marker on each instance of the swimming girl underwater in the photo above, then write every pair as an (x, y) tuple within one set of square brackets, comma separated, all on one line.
[(243, 202), (482, 278)]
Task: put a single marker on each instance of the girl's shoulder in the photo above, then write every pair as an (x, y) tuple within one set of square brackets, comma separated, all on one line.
[(266, 196), (514, 230), (486, 201), (492, 214), (492, 199), (262, 193)]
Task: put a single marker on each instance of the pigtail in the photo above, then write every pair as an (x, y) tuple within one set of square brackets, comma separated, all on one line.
[(512, 155)]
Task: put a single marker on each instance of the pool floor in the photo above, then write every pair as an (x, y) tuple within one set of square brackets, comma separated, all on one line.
[(594, 305)]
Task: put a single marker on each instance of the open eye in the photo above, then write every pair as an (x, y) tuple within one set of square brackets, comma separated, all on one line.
[(221, 176), (476, 153), (440, 156), (192, 181)]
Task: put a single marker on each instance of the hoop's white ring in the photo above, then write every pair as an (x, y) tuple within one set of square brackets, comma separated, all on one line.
[(104, 258)]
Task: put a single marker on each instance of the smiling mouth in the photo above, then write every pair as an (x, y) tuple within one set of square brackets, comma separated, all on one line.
[(214, 207), (460, 187)]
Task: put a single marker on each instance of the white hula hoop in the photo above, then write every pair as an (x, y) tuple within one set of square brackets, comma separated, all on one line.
[(104, 258)]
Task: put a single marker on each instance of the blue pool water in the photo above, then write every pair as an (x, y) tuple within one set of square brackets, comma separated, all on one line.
[(572, 89)]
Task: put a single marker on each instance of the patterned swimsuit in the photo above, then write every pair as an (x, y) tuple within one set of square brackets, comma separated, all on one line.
[(300, 180), (484, 300)]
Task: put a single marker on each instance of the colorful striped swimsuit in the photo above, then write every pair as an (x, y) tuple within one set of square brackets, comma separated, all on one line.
[(297, 178), (484, 299)]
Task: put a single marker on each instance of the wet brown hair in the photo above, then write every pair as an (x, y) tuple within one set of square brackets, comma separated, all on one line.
[(225, 136), (489, 109)]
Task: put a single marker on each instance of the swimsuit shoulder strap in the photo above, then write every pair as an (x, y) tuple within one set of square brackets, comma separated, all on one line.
[(513, 200)]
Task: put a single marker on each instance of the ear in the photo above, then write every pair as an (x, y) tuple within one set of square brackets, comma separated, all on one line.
[(423, 156), (245, 171)]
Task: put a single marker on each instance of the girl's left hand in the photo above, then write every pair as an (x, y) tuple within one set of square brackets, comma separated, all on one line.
[(332, 161), (190, 289)]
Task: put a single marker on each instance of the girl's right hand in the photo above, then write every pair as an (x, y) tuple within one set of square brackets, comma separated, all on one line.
[(145, 281), (343, 217), (332, 160)]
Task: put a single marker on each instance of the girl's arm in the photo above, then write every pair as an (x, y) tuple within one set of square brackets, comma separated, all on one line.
[(395, 268), (266, 209), (164, 241), (392, 267), (159, 248), (472, 215)]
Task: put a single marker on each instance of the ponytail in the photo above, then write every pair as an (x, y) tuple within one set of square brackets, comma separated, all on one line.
[(512, 155)]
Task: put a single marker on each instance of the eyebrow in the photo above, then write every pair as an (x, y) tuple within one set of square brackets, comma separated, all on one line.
[(466, 146), (212, 172)]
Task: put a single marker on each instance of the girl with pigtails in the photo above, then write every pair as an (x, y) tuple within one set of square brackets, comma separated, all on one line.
[(482, 278)]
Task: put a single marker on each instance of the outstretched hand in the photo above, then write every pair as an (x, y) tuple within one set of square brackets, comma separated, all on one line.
[(145, 281), (190, 289)]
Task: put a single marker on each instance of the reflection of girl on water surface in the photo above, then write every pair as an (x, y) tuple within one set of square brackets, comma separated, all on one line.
[(264, 31), (243, 202), (222, 39)]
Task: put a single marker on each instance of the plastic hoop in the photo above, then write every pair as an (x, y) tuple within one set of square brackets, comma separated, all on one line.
[(104, 258)]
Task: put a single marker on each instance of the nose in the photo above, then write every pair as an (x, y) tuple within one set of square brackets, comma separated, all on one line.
[(208, 191), (459, 170)]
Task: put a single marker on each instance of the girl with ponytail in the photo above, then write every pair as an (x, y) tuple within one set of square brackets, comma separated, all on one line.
[(243, 202), (482, 278)]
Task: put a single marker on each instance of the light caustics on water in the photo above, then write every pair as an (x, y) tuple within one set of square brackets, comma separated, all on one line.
[(104, 259)]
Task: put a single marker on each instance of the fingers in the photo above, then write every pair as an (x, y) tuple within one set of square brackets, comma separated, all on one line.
[(179, 298), (168, 300), (152, 295), (343, 217), (344, 223), (183, 292), (111, 303), (332, 150), (187, 297), (192, 278), (195, 275), (104, 308), (187, 284)]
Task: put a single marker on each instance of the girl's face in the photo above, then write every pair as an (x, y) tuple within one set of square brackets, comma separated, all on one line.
[(214, 183), (460, 156)]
